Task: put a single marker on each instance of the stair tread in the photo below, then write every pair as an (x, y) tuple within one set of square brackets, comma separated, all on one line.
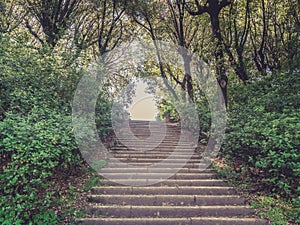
[(164, 186)]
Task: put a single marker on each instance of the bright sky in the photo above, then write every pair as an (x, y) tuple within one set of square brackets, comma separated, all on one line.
[(143, 106)]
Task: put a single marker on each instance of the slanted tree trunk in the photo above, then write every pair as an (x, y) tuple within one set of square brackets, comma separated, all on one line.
[(178, 17)]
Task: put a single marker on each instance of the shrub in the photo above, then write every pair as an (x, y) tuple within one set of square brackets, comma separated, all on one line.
[(263, 133), (36, 136), (188, 110), (34, 147)]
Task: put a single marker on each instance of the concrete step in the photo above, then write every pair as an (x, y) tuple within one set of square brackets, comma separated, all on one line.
[(153, 160), (169, 182), (119, 211), (157, 170), (177, 176), (140, 131), (161, 165), (129, 133), (190, 196), (178, 190), (155, 139), (153, 147), (162, 149), (150, 155), (172, 221), (167, 200)]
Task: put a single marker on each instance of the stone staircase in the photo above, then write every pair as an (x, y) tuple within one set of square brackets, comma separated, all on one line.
[(190, 196)]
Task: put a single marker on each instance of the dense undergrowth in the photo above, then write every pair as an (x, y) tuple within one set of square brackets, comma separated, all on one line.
[(261, 148), (38, 150)]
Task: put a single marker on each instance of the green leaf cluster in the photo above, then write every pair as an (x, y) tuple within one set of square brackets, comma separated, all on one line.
[(36, 133), (263, 135)]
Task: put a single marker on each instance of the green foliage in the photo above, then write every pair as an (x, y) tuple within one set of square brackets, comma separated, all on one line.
[(264, 132), (36, 136), (29, 77), (103, 117), (171, 113), (204, 116), (34, 146), (276, 209), (93, 181), (47, 217), (280, 212), (167, 111)]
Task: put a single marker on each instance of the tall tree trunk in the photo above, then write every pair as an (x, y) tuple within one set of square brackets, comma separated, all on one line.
[(213, 8), (186, 84), (187, 76), (218, 52)]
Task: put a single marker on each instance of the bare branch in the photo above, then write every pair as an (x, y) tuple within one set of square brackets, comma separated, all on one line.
[(201, 9), (33, 33)]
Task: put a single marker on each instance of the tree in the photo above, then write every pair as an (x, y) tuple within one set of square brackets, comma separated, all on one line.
[(236, 32), (100, 23), (48, 20), (213, 8), (9, 19), (145, 15), (184, 34), (274, 34)]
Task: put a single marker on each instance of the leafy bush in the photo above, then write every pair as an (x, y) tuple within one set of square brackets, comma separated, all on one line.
[(169, 112), (280, 212), (35, 146), (30, 77), (204, 115), (264, 132), (36, 136)]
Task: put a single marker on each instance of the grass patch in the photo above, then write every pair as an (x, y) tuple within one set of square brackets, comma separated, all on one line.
[(277, 209)]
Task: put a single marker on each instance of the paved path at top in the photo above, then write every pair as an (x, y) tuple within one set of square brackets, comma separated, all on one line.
[(189, 197)]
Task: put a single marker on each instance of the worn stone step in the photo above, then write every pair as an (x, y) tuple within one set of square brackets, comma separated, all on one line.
[(156, 170), (161, 165), (191, 195), (151, 126), (167, 200), (150, 155), (172, 221), (147, 133), (147, 129), (146, 144), (167, 211), (142, 132), (169, 138), (178, 190), (155, 147), (148, 150), (153, 160), (129, 134), (151, 130), (178, 155), (166, 140), (169, 182), (153, 152), (177, 176)]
